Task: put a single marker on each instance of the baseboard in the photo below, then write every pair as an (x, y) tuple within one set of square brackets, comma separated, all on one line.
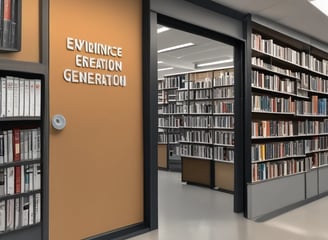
[(122, 233)]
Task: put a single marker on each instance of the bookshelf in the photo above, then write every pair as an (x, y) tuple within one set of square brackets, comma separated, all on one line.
[(21, 152), (288, 80), (170, 112), (10, 25), (203, 118)]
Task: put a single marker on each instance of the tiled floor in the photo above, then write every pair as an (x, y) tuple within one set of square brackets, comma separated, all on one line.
[(196, 213)]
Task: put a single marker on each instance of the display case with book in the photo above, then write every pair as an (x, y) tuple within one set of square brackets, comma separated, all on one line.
[(289, 120), (10, 25), (20, 151)]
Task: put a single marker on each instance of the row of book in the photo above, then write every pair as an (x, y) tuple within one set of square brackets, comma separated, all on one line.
[(277, 150), (172, 82), (259, 62), (172, 109), (201, 151), (200, 84), (224, 137), (317, 106), (224, 92), (200, 94), (269, 170), (226, 106), (20, 179), (183, 95), (314, 83), (223, 154), (270, 128), (170, 121), (168, 137), (20, 212), (20, 97), (225, 78), (201, 107), (265, 103), (316, 144), (20, 145), (199, 136), (272, 82), (303, 59)]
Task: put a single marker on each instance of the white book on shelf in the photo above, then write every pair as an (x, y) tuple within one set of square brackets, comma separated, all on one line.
[(34, 144), (5, 146), (2, 216), (10, 145), (1, 148), (37, 207), (3, 97), (22, 179), (2, 182), (21, 96), (11, 180), (26, 98), (17, 213), (25, 210), (10, 214), (30, 145), (38, 143), (16, 97), (37, 85), (32, 97), (37, 176), (31, 210), (10, 96)]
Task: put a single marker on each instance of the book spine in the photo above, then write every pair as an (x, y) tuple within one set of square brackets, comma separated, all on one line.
[(6, 23), (10, 96)]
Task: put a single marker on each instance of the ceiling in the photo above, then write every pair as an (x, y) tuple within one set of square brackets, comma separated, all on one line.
[(185, 60), (297, 14)]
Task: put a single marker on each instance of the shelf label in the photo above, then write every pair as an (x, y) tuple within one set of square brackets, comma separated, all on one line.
[(92, 57)]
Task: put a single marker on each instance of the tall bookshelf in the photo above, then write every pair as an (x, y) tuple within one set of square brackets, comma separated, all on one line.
[(289, 137), (21, 153), (204, 103), (169, 122)]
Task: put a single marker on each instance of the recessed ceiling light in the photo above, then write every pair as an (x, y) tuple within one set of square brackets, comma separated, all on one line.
[(214, 63), (165, 69), (322, 5), (162, 29), (160, 62), (176, 47)]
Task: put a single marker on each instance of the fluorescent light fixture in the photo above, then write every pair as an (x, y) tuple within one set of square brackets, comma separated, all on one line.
[(165, 69), (162, 29), (160, 62), (322, 5), (214, 63), (176, 47)]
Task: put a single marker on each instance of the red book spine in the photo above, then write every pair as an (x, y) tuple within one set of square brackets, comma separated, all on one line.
[(16, 144), (7, 10), (17, 179)]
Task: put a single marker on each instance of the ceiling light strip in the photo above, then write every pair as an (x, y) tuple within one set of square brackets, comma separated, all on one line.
[(176, 47)]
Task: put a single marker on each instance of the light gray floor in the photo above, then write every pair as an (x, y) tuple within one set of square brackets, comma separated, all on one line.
[(195, 213)]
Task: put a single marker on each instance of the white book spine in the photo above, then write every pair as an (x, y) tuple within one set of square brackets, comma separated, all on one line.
[(38, 143), (27, 98), (31, 210), (17, 213), (16, 97), (29, 145), (2, 216), (1, 148), (11, 180), (10, 96), (34, 144), (25, 211), (3, 97), (10, 214), (10, 146), (5, 146), (22, 179), (32, 98), (37, 97), (21, 96), (37, 207)]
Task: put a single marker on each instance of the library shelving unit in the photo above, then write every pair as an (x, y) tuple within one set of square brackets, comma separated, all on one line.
[(289, 121), (169, 120), (205, 103), (21, 153)]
